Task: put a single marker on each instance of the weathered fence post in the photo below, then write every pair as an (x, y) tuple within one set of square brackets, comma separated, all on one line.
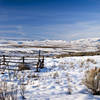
[(39, 56), (38, 63), (0, 63), (23, 60), (37, 66), (4, 60), (42, 63)]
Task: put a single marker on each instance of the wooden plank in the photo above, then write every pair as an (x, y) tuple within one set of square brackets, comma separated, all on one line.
[(19, 62)]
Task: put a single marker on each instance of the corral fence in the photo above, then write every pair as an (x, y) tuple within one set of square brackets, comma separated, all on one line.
[(6, 60)]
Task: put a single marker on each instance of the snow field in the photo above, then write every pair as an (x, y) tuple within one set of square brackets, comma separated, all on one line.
[(60, 79)]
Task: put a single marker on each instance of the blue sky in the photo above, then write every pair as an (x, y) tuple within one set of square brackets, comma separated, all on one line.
[(49, 19)]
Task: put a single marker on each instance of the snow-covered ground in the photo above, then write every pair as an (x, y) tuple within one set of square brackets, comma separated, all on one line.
[(56, 81), (61, 78)]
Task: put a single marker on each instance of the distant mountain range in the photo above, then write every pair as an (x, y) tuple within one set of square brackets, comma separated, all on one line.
[(89, 41), (89, 44)]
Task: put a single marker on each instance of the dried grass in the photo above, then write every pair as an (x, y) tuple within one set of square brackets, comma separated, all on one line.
[(92, 80)]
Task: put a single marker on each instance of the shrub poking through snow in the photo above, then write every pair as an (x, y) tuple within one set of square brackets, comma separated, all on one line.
[(6, 93), (69, 84), (91, 60), (82, 64), (92, 80), (71, 65), (23, 67), (55, 75)]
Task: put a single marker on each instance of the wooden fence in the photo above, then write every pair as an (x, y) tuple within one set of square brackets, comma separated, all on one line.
[(16, 60)]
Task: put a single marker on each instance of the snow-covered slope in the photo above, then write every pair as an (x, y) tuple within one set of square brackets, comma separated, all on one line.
[(49, 46), (61, 43), (89, 41)]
